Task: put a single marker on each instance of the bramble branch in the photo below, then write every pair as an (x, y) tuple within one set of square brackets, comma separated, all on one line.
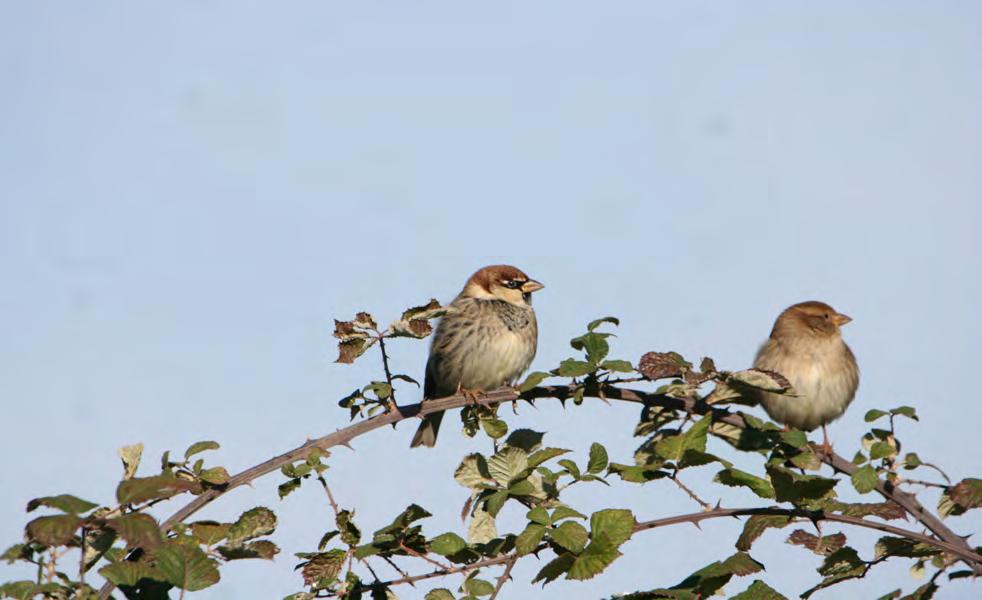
[(952, 542)]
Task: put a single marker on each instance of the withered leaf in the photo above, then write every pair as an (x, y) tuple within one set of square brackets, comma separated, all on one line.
[(663, 365)]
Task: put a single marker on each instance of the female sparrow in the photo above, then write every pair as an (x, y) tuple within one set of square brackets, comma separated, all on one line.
[(487, 340), (806, 347)]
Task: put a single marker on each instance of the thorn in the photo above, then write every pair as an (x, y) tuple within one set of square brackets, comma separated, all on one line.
[(347, 445), (696, 523)]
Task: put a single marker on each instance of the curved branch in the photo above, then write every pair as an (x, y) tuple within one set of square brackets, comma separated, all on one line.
[(343, 437), (716, 513)]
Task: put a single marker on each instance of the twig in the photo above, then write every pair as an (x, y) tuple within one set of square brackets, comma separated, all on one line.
[(330, 496), (504, 576), (81, 561), (344, 437), (395, 566), (715, 513), (705, 505), (433, 562), (388, 374), (924, 483)]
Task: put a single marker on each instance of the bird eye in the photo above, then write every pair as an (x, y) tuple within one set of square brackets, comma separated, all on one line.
[(513, 284), (826, 316)]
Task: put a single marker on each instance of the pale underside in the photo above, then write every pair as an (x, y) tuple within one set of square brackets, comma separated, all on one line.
[(824, 377)]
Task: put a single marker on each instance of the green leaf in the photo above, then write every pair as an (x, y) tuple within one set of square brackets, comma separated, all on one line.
[(675, 447), (525, 439), (912, 461), (19, 590), (447, 544), (529, 539), (539, 515), (473, 472), (66, 503), (864, 479), (574, 368), (138, 529), (570, 535), (755, 527), (565, 512), (439, 594), (907, 411), (554, 568), (533, 380), (130, 455), (197, 447), (598, 322), (897, 546), (507, 464), (129, 573), (540, 456), (735, 477), (214, 476), (350, 534), (571, 467), (186, 567), (53, 531), (617, 366), (594, 344), (264, 549), (478, 587), (794, 438), (145, 489), (251, 524), (209, 533), (792, 487), (593, 560), (616, 524), (495, 428), (881, 450), (759, 590), (874, 414), (598, 458), (286, 488), (495, 501)]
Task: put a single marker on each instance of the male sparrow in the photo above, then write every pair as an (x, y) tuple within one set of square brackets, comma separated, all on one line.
[(806, 347), (487, 340)]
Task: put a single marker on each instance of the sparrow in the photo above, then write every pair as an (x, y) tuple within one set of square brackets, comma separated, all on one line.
[(806, 347), (487, 340)]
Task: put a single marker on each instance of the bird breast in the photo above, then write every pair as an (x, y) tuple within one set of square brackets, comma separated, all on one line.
[(824, 377), (482, 344)]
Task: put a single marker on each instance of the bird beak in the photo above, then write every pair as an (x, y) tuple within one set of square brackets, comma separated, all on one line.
[(531, 286), (841, 319)]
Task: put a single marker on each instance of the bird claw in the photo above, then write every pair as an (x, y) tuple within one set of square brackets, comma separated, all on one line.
[(471, 394)]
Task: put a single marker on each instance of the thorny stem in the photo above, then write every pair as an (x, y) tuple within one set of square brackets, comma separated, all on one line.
[(433, 562), (715, 513), (388, 374), (330, 496), (560, 392), (504, 576), (705, 505)]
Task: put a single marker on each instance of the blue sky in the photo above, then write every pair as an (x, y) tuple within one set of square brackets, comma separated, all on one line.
[(189, 194)]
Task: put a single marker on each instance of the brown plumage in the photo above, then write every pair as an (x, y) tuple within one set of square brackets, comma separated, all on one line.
[(487, 340), (806, 346)]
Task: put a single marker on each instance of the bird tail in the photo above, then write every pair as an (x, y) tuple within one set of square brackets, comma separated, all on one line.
[(426, 433)]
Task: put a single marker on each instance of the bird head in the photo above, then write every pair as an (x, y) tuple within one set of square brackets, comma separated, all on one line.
[(811, 318), (502, 282)]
